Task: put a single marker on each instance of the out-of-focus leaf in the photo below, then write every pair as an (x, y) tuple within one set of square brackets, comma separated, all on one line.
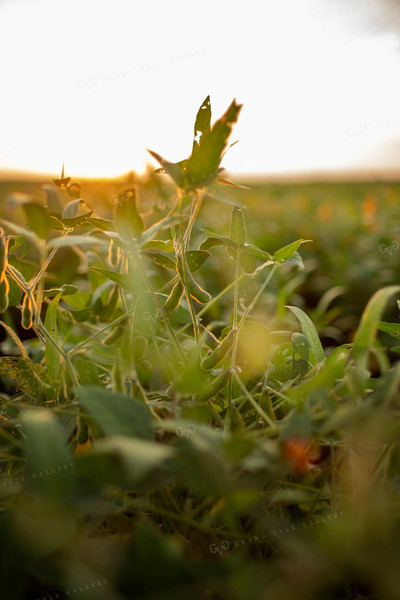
[(167, 245), (122, 279), (53, 201), (128, 221), (49, 461), (127, 460), (27, 233), (38, 219), (71, 209), (393, 329), (160, 258), (115, 413), (75, 221), (369, 323), (103, 224), (77, 240)]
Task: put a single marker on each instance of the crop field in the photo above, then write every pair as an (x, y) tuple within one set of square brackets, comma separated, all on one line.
[(199, 385)]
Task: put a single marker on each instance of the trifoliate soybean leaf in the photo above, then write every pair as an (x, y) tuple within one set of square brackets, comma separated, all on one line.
[(71, 209), (203, 166), (309, 331), (114, 413), (287, 252), (202, 124), (122, 279)]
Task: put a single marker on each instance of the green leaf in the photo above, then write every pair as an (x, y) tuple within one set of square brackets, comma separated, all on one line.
[(295, 260), (50, 323), (128, 221), (71, 209), (49, 462), (38, 219), (53, 201), (27, 233), (160, 258), (125, 281), (236, 185), (77, 240), (238, 227), (174, 170), (56, 223), (203, 166), (287, 252), (125, 460), (75, 221), (369, 323), (210, 241), (195, 259), (393, 329), (167, 245), (66, 290), (115, 413), (252, 250), (310, 332), (202, 124), (103, 224)]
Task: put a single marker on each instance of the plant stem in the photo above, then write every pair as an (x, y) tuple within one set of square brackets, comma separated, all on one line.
[(256, 406), (174, 339)]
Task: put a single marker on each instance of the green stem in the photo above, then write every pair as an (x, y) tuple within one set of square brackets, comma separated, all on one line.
[(156, 301), (256, 406), (100, 331)]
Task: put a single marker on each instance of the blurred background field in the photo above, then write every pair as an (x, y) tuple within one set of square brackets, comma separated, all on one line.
[(353, 227)]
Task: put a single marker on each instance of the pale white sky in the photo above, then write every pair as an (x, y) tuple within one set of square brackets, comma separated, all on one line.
[(97, 82)]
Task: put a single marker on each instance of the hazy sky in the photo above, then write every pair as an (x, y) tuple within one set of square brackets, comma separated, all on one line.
[(97, 82)]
